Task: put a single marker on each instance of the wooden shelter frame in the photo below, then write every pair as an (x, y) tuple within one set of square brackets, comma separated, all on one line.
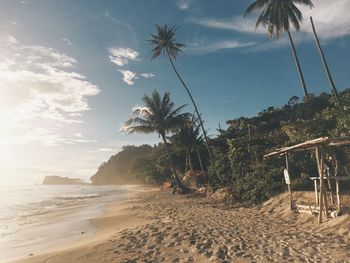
[(319, 147)]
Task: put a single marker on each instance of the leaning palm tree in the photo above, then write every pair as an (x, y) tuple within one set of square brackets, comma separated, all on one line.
[(276, 15), (164, 42), (158, 115)]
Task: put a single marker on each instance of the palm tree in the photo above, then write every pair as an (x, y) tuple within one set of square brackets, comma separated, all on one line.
[(188, 138), (164, 42), (276, 15), (158, 115)]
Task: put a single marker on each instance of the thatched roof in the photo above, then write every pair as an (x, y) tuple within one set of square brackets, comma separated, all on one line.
[(311, 145)]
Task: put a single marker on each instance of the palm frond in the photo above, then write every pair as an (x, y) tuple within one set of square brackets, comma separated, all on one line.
[(164, 41), (277, 15), (304, 2), (139, 129), (256, 6)]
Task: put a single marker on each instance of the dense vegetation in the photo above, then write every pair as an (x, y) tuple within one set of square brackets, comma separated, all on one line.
[(238, 151), (117, 169)]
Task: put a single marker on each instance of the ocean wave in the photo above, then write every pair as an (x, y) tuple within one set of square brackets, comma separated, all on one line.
[(78, 196)]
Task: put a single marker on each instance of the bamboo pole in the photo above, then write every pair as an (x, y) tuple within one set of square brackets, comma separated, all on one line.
[(316, 192), (289, 187), (338, 197), (317, 153), (323, 185), (330, 190)]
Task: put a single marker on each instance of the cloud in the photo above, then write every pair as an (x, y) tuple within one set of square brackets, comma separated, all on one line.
[(331, 21), (129, 29), (106, 150), (147, 75), (121, 56), (184, 4), (128, 76), (237, 23), (203, 47), (78, 134), (69, 43), (39, 90)]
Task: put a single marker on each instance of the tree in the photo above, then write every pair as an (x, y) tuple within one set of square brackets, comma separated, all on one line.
[(164, 42), (276, 15), (158, 115), (188, 138)]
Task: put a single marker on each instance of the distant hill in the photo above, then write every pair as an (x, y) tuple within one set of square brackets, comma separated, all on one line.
[(59, 180), (117, 169)]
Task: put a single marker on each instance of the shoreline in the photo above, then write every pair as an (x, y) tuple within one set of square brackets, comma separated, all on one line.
[(81, 224), (158, 226)]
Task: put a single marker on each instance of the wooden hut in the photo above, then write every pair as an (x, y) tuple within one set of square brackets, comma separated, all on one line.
[(319, 146)]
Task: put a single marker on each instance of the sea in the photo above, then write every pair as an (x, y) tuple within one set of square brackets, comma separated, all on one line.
[(36, 217)]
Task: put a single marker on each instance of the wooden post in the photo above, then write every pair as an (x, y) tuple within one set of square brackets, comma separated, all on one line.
[(316, 192), (320, 173), (289, 187), (324, 186), (337, 192), (330, 190)]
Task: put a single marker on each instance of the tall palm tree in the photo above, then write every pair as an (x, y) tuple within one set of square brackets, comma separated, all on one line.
[(164, 42), (158, 115), (276, 15)]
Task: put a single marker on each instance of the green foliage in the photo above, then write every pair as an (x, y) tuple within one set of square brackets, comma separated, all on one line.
[(240, 158), (117, 169)]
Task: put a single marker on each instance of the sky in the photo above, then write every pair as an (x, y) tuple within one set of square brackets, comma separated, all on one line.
[(72, 70)]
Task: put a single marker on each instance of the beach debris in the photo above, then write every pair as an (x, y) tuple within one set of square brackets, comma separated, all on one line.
[(166, 185)]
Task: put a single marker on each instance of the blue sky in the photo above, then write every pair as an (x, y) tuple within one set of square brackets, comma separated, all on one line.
[(71, 72)]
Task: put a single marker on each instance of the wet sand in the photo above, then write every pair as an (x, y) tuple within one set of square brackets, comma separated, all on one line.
[(161, 227)]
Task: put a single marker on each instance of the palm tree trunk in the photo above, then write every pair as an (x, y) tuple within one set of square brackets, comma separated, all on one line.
[(324, 61), (190, 160), (184, 189), (194, 105), (186, 165), (301, 76), (199, 158)]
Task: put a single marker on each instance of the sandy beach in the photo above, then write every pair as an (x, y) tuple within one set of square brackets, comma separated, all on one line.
[(162, 227)]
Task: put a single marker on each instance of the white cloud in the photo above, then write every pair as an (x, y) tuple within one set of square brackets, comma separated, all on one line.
[(237, 23), (69, 43), (331, 20), (121, 56), (78, 134), (202, 46), (39, 89), (128, 76), (106, 150), (184, 4), (147, 75)]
